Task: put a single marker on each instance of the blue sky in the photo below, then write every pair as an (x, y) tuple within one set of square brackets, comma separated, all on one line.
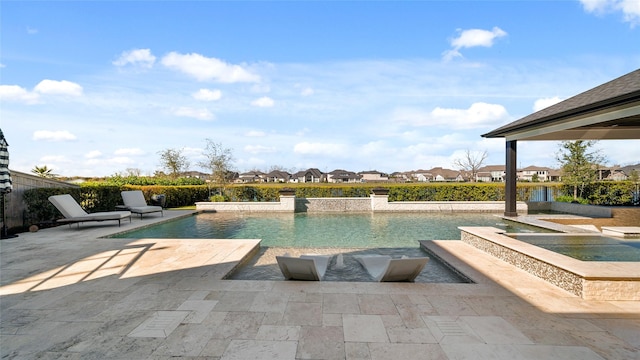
[(94, 88)]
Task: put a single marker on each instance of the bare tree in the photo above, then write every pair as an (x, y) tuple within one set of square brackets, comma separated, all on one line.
[(218, 161), (471, 162), (173, 161)]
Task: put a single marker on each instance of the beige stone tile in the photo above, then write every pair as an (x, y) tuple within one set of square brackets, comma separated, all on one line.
[(160, 324), (303, 314), (235, 301), (411, 316), (199, 310), (606, 345), (331, 319), (356, 351), (451, 330), (411, 336), (364, 328), (392, 320), (280, 333), (495, 330), (447, 305), (625, 329), (273, 318), (215, 348), (376, 304), (186, 340), (482, 352), (321, 342), (556, 352), (550, 337), (239, 325), (381, 351), (270, 302), (340, 304), (260, 349)]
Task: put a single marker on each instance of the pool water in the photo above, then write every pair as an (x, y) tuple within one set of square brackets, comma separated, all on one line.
[(333, 230), (585, 247)]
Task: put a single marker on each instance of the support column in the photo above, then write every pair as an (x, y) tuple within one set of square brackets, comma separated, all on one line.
[(510, 181)]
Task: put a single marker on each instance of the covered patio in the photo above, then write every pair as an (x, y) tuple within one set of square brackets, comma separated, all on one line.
[(610, 111)]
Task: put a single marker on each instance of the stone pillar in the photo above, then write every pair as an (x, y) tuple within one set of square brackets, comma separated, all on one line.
[(511, 178), (287, 199), (379, 198)]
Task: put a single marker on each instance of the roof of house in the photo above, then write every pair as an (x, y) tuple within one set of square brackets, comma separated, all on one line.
[(618, 99)]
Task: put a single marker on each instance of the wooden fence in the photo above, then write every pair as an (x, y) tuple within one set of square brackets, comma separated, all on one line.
[(15, 206)]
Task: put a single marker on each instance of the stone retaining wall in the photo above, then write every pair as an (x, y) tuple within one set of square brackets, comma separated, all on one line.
[(375, 203)]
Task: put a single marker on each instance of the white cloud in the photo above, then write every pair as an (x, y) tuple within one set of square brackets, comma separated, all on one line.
[(31, 31), (478, 115), (630, 8), (138, 57), (307, 92), (54, 87), (472, 38), (200, 114), (60, 135), (93, 154), (259, 149), (129, 151), (545, 103), (327, 149), (207, 95), (264, 101), (203, 68), (255, 133), (17, 93)]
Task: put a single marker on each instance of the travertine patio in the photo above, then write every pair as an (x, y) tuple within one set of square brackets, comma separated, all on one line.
[(67, 293)]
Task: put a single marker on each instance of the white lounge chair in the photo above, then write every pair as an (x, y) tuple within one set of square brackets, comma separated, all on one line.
[(306, 267), (384, 268), (73, 213), (134, 201)]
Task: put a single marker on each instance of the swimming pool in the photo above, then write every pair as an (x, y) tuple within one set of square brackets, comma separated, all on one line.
[(585, 247), (334, 230)]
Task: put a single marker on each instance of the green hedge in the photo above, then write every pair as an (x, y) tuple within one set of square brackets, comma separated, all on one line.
[(95, 197)]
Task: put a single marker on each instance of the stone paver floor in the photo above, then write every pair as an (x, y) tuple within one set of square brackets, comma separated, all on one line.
[(66, 293)]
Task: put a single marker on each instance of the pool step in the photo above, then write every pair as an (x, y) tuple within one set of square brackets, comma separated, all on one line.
[(622, 231)]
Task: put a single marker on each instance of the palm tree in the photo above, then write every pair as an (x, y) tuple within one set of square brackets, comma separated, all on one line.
[(43, 171)]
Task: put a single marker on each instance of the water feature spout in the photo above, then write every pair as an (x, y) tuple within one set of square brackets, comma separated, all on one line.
[(339, 262)]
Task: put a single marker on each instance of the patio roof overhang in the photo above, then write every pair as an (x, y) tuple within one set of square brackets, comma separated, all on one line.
[(610, 111)]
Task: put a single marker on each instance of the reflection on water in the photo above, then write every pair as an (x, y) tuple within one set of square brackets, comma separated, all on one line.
[(264, 266), (337, 230)]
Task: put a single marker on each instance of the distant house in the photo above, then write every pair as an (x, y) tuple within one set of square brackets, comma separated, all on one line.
[(491, 173), (196, 174), (530, 172), (278, 176), (440, 174), (373, 176), (555, 175), (311, 175), (343, 176), (421, 175), (252, 177)]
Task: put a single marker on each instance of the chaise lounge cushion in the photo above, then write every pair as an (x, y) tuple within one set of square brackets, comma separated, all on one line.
[(134, 201), (73, 213), (306, 267), (384, 268)]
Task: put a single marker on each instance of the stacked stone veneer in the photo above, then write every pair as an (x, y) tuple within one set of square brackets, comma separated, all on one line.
[(590, 280), (375, 203), (555, 275)]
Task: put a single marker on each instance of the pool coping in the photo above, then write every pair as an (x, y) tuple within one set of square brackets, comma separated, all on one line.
[(593, 280)]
